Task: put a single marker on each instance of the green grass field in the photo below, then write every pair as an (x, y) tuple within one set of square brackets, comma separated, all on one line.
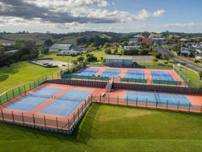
[(110, 128), (192, 76), (21, 73)]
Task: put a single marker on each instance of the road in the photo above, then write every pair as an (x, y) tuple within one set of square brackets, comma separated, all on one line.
[(188, 63)]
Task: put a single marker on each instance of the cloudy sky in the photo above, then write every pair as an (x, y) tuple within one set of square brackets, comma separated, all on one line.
[(63, 16)]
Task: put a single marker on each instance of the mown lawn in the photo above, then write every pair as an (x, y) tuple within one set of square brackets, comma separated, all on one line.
[(109, 129), (21, 73), (98, 53)]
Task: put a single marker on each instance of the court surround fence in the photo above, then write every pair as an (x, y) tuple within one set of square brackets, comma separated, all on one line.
[(59, 124), (14, 92), (138, 104), (183, 77)]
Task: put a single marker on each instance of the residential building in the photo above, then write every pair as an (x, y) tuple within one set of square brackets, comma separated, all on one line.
[(65, 49)]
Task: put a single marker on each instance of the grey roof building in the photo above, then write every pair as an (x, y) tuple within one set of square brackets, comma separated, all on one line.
[(65, 49), (119, 61)]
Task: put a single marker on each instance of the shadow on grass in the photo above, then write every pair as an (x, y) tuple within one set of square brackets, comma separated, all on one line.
[(4, 77), (83, 131)]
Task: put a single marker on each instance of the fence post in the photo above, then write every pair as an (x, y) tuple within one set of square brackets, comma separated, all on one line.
[(2, 113), (201, 108), (6, 96), (117, 100), (13, 92), (57, 122), (136, 101), (108, 98), (33, 119), (190, 107), (13, 117), (100, 98), (78, 114), (167, 104), (23, 119), (178, 106), (146, 102), (127, 100), (44, 117), (19, 90)]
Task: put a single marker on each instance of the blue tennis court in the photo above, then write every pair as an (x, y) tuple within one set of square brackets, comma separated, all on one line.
[(67, 103), (161, 75), (31, 101), (173, 99), (46, 92), (89, 72), (111, 73), (135, 74), (157, 98)]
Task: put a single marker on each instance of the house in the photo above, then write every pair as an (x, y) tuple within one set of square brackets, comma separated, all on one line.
[(198, 57), (158, 40), (65, 49), (119, 61), (135, 40), (185, 51), (133, 47), (198, 51)]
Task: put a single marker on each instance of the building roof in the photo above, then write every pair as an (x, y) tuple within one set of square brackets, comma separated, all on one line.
[(119, 57), (61, 46)]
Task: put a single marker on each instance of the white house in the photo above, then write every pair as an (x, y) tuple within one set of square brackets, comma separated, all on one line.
[(65, 49), (133, 47)]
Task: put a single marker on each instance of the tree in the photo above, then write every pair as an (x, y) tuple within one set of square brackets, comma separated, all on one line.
[(108, 51), (91, 58), (80, 59), (200, 74), (48, 43), (116, 51)]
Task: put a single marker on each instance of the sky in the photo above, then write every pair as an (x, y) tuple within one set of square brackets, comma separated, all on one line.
[(122, 16)]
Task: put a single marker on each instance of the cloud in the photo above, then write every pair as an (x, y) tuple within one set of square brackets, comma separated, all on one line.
[(70, 11), (159, 13)]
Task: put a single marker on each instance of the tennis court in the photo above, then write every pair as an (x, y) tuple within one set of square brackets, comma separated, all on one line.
[(111, 73), (34, 99), (135, 74), (88, 72), (157, 98), (161, 75), (66, 103)]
